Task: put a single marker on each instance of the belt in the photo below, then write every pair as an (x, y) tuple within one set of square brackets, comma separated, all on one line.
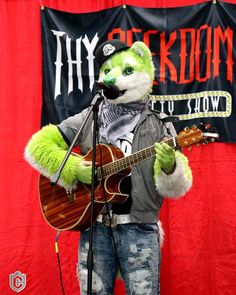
[(113, 220)]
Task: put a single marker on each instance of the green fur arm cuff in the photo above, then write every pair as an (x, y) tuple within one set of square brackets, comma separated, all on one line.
[(45, 152), (177, 183)]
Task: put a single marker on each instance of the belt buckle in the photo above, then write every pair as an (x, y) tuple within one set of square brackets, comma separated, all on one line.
[(114, 220), (106, 219), (110, 220)]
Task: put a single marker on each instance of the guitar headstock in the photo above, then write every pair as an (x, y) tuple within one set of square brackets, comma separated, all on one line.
[(196, 135)]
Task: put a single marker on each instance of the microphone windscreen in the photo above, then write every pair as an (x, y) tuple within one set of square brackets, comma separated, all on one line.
[(111, 92)]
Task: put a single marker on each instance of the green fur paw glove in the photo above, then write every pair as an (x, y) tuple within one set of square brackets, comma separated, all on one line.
[(165, 158), (84, 172), (46, 150)]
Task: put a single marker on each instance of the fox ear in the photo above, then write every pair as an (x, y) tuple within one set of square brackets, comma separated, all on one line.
[(141, 49)]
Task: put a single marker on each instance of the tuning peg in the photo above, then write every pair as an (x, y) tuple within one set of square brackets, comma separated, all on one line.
[(186, 128), (208, 126), (190, 148), (205, 127)]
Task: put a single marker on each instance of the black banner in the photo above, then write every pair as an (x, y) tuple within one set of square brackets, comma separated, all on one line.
[(193, 47)]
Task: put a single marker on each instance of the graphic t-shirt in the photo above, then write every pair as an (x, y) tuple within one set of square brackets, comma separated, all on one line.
[(125, 144)]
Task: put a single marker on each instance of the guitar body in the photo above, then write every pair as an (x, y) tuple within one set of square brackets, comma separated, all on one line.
[(71, 210)]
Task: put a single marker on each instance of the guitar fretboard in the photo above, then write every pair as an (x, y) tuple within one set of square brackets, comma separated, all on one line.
[(126, 162)]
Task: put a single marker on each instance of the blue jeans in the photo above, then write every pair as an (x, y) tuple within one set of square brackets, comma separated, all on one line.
[(136, 253)]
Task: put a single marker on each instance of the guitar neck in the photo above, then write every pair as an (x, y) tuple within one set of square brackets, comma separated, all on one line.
[(126, 162)]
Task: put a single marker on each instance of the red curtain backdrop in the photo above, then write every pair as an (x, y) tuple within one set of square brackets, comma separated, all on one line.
[(199, 253)]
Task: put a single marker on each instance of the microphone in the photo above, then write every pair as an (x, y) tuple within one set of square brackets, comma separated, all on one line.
[(109, 91)]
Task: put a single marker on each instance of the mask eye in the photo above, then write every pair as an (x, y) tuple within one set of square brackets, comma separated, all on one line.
[(128, 71), (106, 71)]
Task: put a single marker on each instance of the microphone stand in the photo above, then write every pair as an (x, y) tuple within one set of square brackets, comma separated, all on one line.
[(90, 250), (93, 108)]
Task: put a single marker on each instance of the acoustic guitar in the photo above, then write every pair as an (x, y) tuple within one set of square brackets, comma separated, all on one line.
[(70, 210)]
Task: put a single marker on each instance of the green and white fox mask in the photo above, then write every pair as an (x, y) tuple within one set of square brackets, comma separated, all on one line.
[(131, 70)]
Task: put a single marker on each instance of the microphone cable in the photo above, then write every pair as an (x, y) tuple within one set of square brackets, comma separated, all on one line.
[(59, 262)]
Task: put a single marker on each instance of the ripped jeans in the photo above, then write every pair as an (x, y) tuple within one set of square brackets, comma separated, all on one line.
[(136, 253)]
